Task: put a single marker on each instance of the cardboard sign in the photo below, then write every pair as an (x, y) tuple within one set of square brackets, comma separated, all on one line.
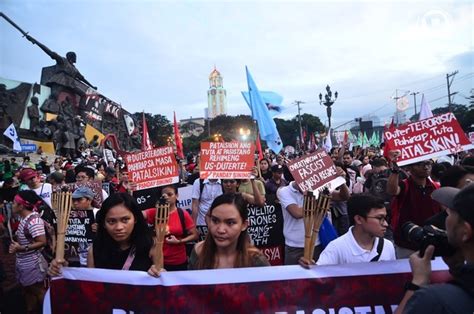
[(266, 230), (221, 160), (429, 138), (78, 234), (148, 198), (314, 172), (152, 168)]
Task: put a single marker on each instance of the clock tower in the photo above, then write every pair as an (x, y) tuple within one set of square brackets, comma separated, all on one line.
[(216, 95)]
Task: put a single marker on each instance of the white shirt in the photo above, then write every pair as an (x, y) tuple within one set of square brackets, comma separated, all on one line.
[(346, 250), (45, 191), (210, 191), (293, 228)]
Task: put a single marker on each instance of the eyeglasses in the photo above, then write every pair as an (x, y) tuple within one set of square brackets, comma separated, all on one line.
[(381, 219)]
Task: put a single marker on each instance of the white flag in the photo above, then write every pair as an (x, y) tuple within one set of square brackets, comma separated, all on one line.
[(10, 132), (328, 143), (425, 111)]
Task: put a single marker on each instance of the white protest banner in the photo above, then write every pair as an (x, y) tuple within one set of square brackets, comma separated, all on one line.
[(226, 160), (429, 138), (151, 168)]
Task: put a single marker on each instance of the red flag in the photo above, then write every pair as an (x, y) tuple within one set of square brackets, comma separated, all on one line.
[(259, 147), (346, 138), (391, 127), (386, 148), (312, 142), (177, 139), (146, 142)]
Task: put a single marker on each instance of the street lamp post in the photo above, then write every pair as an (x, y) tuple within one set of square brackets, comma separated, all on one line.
[(328, 102), (244, 133)]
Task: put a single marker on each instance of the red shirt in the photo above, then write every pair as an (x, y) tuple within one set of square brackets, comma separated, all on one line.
[(174, 254), (417, 207)]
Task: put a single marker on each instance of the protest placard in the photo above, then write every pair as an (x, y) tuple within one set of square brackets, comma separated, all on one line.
[(314, 172), (429, 138), (231, 160), (266, 230), (152, 168), (78, 234)]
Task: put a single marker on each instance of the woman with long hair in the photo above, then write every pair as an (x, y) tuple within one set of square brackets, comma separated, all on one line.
[(265, 169), (123, 240), (31, 266), (227, 244)]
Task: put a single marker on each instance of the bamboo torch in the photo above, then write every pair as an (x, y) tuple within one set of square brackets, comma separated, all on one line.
[(321, 208), (64, 204), (309, 202), (161, 223)]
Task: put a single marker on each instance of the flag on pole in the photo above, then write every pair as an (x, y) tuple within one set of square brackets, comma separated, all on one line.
[(271, 99), (425, 111), (10, 132), (365, 141), (146, 142), (327, 142), (177, 139), (259, 147), (260, 113), (312, 142)]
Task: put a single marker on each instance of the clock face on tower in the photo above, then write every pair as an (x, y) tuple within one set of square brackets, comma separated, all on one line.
[(213, 92)]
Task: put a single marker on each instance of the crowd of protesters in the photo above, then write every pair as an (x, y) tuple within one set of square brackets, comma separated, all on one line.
[(368, 213)]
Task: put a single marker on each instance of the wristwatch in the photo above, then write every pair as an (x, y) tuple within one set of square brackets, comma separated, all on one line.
[(410, 286)]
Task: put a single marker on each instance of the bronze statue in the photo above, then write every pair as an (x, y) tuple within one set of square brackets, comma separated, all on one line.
[(51, 105), (65, 73), (33, 113)]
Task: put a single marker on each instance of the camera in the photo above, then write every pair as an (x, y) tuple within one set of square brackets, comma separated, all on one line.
[(426, 235)]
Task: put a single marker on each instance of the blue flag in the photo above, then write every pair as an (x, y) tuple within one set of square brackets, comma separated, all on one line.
[(260, 112), (271, 99)]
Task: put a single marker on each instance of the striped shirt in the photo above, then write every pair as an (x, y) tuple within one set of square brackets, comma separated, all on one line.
[(36, 228)]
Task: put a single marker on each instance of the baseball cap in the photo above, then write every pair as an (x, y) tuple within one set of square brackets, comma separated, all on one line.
[(277, 168), (27, 174), (459, 200), (83, 191)]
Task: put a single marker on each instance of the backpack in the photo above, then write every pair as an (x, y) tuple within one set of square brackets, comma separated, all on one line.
[(189, 245), (49, 220)]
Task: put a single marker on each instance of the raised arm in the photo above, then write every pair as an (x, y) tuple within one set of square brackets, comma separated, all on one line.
[(48, 51)]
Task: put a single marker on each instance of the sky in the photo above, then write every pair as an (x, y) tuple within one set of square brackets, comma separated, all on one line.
[(156, 56)]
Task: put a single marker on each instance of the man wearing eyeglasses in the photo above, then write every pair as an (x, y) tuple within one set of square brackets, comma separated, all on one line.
[(412, 201), (364, 241)]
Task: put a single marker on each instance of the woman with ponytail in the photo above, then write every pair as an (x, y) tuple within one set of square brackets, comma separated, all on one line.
[(31, 267), (227, 244)]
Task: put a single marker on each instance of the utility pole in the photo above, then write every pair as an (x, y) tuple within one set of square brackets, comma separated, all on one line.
[(298, 103), (414, 98), (448, 76)]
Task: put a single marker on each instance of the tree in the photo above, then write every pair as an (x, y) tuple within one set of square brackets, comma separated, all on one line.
[(289, 129), (159, 127)]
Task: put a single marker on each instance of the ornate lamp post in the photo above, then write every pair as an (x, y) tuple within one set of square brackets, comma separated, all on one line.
[(328, 102)]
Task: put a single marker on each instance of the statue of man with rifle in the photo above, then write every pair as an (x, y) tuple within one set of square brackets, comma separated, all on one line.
[(65, 73)]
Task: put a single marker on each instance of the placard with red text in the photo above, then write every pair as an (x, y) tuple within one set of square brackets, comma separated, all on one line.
[(152, 168), (226, 160)]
